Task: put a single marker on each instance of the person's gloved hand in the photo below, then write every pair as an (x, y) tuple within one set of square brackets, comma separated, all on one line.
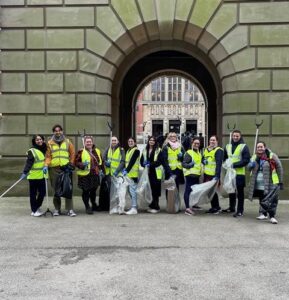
[(107, 163), (85, 163), (45, 170), (23, 176), (216, 178), (124, 172), (205, 162), (180, 156), (281, 186), (115, 173), (191, 164), (252, 164), (147, 163)]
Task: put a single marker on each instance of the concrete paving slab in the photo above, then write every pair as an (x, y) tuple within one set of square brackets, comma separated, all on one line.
[(144, 256)]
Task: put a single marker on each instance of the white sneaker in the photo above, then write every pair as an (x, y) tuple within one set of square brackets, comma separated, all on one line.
[(38, 213), (262, 217), (71, 213), (273, 221), (153, 211), (32, 214), (132, 211), (121, 210), (56, 213)]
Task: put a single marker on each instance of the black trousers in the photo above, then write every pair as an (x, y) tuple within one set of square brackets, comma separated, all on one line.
[(190, 180), (240, 183), (89, 195), (37, 193)]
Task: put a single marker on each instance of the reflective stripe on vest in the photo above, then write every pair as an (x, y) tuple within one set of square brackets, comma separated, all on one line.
[(197, 168), (236, 157), (85, 156), (174, 163), (133, 173), (210, 167), (36, 171), (159, 169), (115, 158), (60, 154), (274, 175)]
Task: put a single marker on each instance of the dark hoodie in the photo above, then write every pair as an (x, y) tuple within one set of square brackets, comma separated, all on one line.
[(245, 155), (30, 158)]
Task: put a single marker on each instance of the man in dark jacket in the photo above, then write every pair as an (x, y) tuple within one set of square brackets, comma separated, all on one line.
[(238, 152)]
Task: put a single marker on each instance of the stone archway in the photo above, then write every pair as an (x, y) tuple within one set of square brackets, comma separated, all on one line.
[(152, 58)]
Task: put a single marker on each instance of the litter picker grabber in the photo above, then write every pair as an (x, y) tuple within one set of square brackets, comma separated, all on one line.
[(110, 126), (48, 211), (11, 187), (82, 135), (258, 125), (230, 131)]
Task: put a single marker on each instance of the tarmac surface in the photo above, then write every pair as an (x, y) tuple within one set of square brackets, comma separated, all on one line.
[(144, 256)]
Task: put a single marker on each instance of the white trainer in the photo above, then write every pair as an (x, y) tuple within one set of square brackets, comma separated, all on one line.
[(71, 213), (262, 217), (56, 213), (273, 221), (32, 214), (132, 211), (38, 213)]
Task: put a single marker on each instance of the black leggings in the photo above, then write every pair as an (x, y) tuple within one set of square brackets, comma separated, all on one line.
[(37, 193), (89, 195)]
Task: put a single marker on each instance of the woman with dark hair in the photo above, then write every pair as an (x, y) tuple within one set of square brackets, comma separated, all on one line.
[(192, 168), (33, 170), (132, 171), (89, 163), (212, 160), (267, 175), (152, 158)]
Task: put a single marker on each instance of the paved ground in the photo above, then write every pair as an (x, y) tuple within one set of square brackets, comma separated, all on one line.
[(142, 257)]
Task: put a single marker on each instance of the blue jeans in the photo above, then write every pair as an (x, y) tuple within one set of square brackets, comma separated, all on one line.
[(133, 195)]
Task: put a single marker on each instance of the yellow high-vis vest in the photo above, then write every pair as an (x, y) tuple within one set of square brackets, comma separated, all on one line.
[(59, 153), (159, 169), (85, 156), (210, 167), (236, 157), (133, 173), (197, 168), (115, 158), (274, 175), (174, 163), (36, 171)]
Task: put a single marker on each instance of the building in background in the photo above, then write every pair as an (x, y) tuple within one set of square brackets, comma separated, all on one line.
[(170, 103)]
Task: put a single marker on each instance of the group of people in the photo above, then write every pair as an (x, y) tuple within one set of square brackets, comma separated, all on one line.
[(169, 161)]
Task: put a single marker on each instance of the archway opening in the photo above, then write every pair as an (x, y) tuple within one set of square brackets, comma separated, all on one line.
[(146, 68), (170, 102)]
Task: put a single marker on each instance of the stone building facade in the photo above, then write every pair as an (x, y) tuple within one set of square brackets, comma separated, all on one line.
[(82, 63)]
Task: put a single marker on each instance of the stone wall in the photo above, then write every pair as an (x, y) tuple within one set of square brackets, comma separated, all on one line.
[(59, 59)]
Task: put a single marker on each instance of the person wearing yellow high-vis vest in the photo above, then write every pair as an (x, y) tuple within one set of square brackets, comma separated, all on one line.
[(90, 168), (33, 171), (212, 160), (59, 157), (192, 168), (173, 154), (151, 158), (132, 163), (239, 155), (266, 179)]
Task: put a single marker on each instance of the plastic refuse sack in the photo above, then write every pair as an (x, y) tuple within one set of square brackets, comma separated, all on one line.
[(63, 185), (270, 200), (229, 182), (203, 193), (104, 194), (173, 196), (118, 190), (143, 190)]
